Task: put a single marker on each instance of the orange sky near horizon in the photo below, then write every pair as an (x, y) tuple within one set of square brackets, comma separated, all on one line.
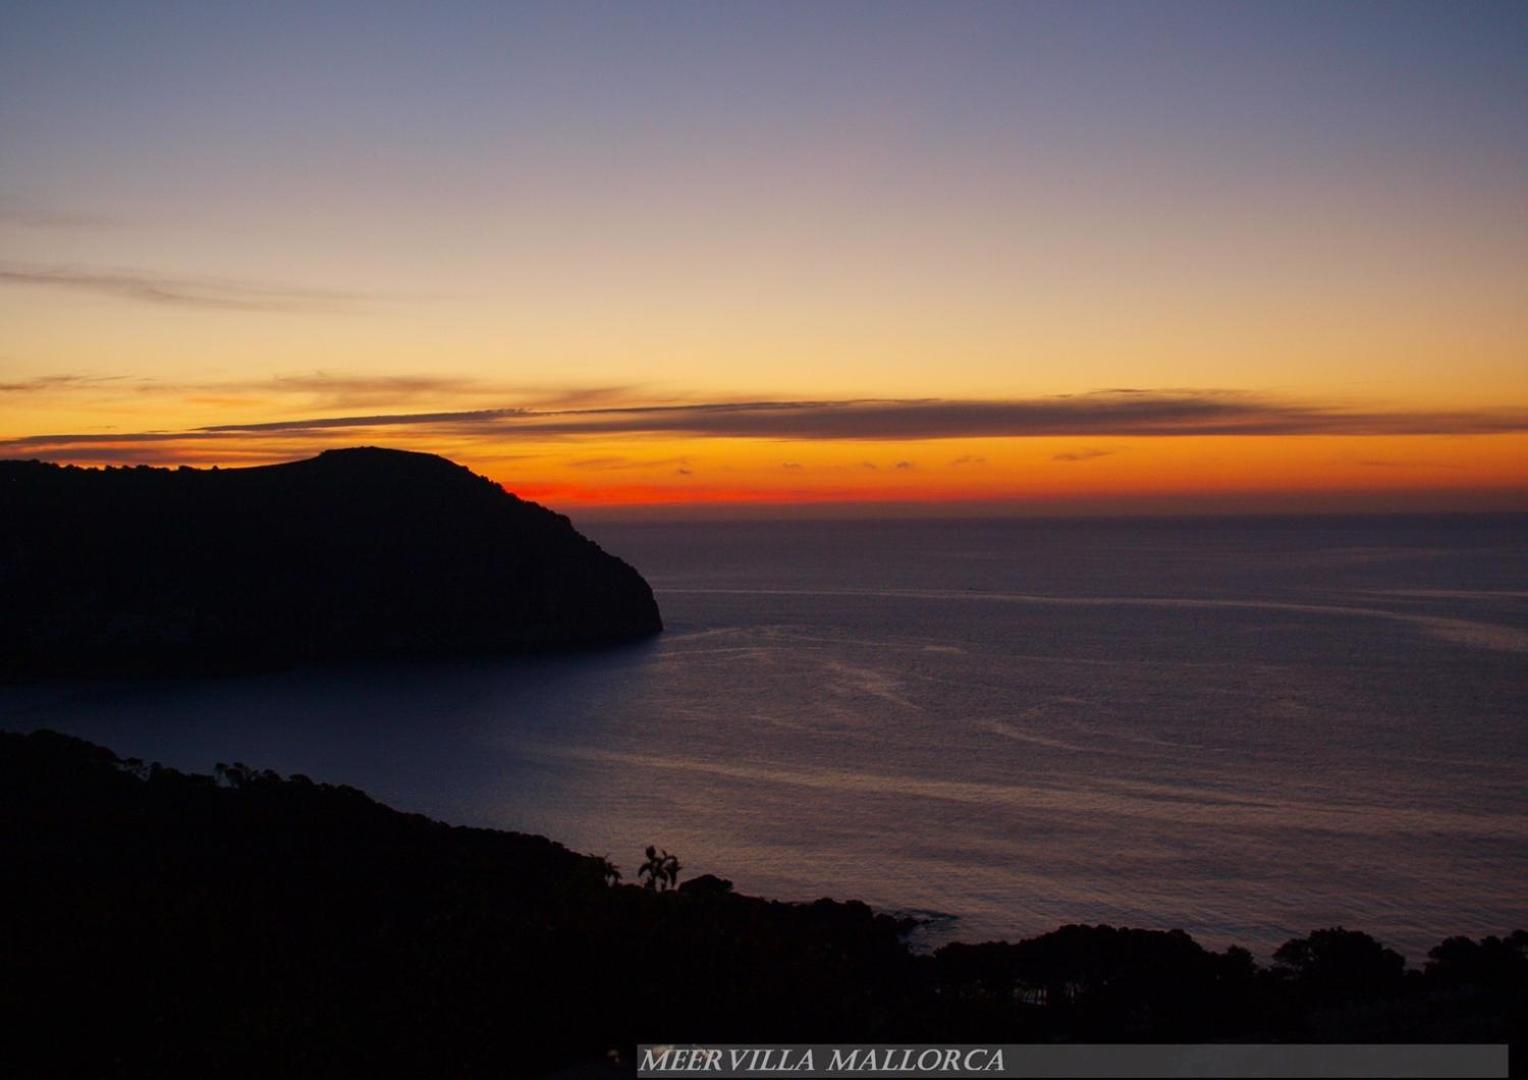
[(590, 470)]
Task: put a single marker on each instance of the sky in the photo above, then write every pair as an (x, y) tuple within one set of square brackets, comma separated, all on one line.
[(1019, 257)]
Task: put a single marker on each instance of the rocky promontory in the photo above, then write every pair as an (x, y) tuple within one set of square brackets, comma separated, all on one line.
[(355, 554)]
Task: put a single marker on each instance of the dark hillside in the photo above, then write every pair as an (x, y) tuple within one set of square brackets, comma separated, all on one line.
[(243, 924), (356, 553)]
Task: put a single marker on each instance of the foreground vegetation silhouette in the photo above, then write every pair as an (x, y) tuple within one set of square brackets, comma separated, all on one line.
[(660, 871), (244, 924)]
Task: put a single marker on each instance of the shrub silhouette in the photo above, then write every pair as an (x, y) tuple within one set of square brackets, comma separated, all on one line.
[(1489, 964), (707, 885), (1340, 963)]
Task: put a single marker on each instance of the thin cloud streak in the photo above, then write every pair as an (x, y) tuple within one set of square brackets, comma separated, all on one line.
[(48, 384), (484, 419), (340, 391), (206, 293)]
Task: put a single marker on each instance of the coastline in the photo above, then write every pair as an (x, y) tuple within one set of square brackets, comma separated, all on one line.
[(311, 927)]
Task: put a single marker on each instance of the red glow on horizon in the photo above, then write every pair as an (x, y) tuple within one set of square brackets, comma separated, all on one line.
[(664, 495), (637, 497)]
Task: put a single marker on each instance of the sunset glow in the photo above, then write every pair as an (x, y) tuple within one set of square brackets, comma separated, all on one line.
[(1020, 261)]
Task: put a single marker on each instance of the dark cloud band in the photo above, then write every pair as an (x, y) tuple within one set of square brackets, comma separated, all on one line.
[(1105, 413)]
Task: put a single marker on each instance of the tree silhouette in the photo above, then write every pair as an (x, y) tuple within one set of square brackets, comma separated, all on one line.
[(1340, 962), (660, 871)]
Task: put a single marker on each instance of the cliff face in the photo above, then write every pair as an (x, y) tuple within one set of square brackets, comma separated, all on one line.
[(352, 554)]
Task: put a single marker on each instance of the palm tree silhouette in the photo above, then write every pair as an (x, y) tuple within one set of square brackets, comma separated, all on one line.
[(661, 870)]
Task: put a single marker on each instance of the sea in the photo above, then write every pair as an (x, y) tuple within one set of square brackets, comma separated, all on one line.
[(1246, 728)]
